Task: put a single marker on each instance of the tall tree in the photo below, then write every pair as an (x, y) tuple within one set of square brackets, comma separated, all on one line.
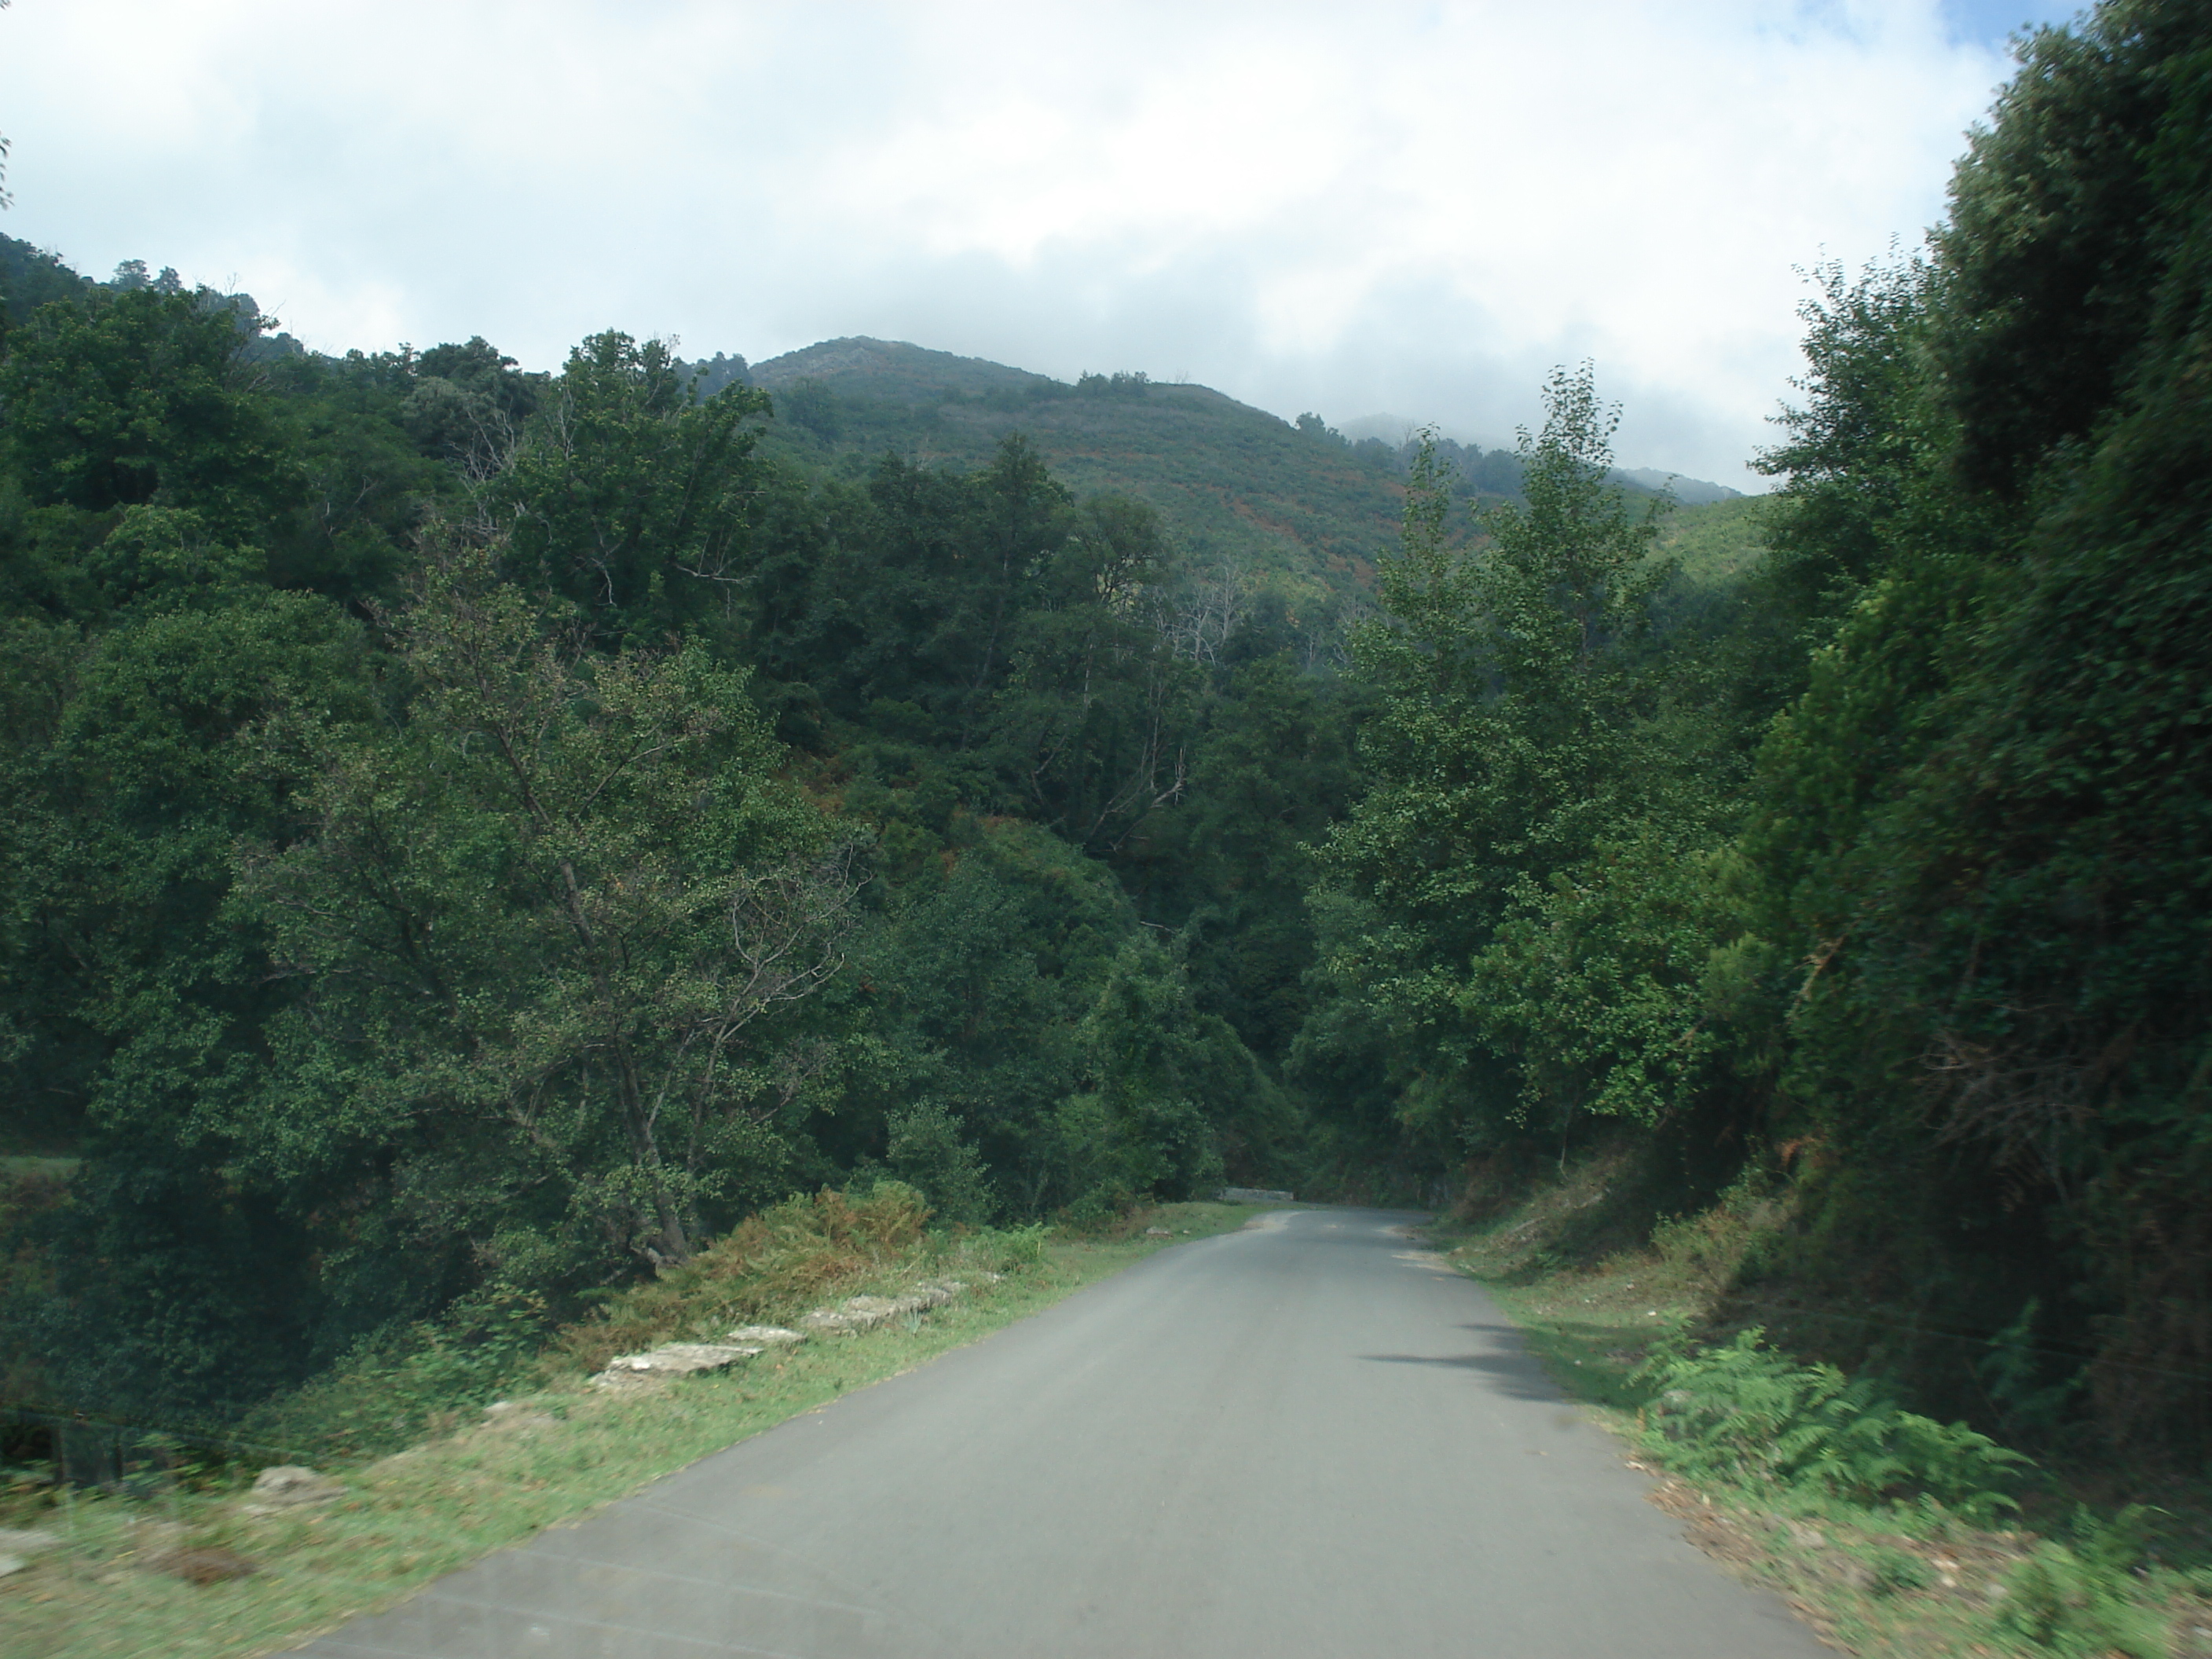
[(1520, 725), (628, 497), (535, 934)]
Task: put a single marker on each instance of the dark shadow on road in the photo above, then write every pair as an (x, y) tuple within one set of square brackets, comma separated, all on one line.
[(1520, 1375)]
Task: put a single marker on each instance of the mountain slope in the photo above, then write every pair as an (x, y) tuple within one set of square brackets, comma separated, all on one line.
[(1237, 486)]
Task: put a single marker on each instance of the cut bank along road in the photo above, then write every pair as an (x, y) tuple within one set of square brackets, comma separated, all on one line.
[(1304, 1439)]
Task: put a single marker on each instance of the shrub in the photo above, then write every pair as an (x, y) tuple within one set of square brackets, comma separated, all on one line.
[(2080, 1599), (392, 1388), (1743, 1411), (770, 1266), (927, 1150)]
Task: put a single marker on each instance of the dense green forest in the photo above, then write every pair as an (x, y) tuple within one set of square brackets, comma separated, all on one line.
[(479, 834), (1292, 515)]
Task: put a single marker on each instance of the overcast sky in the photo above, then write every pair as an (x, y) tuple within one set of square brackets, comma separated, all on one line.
[(1410, 209)]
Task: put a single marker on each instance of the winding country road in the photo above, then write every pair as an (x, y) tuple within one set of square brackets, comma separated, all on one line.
[(1304, 1439)]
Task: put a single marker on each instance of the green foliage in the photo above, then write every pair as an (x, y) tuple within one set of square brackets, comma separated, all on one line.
[(408, 908), (770, 1268), (1116, 385), (1526, 912), (2016, 1373), (2079, 1599), (625, 494), (2066, 218), (1741, 1412), (135, 398), (1982, 821), (1246, 492), (1886, 848), (532, 933), (1227, 864), (31, 277), (397, 1388), (1015, 1001), (925, 1150), (1896, 1572), (1622, 987), (481, 834)]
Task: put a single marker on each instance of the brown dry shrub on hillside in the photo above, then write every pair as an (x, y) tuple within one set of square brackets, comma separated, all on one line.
[(769, 1268)]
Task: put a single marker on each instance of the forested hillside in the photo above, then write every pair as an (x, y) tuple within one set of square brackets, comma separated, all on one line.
[(1879, 889), (1295, 514), (479, 834)]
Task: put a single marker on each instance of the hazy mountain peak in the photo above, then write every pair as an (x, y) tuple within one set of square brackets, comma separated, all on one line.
[(888, 367)]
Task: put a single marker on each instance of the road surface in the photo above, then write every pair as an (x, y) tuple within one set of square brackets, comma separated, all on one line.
[(1304, 1439)]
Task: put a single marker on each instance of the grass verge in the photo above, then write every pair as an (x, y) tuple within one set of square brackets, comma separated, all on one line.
[(108, 1587), (1812, 1485)]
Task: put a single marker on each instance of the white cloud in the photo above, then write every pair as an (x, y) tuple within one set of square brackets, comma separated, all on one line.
[(1417, 208)]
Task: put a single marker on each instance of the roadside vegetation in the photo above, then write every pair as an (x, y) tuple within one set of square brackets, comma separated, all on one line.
[(482, 841), (457, 1442), (1897, 1535), (1871, 881)]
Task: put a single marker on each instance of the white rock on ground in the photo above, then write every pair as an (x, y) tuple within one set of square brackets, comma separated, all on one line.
[(289, 1484), (865, 1313), (518, 1417), (673, 1359), (768, 1336), (19, 1544), (857, 1313)]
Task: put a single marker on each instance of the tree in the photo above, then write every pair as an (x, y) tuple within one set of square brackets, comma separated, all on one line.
[(1984, 821), (629, 498), (536, 936), (138, 397), (1091, 720), (135, 998), (1520, 725)]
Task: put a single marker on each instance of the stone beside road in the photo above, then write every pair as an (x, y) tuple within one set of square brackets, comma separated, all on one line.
[(855, 1313), (865, 1313), (674, 1359), (767, 1336), (19, 1544), (288, 1486)]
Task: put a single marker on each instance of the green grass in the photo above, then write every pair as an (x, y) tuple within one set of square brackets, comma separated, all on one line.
[(411, 1516), (1603, 1297)]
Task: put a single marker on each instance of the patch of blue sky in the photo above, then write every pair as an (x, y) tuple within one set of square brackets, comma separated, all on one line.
[(1992, 22)]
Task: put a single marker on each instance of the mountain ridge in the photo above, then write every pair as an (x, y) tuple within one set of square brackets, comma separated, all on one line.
[(1239, 486)]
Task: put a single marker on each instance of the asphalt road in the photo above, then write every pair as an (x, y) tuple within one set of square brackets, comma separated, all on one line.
[(1302, 1439)]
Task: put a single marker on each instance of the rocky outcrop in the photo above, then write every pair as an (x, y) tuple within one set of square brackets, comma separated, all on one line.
[(766, 1336), (288, 1485), (855, 1313), (865, 1313), (673, 1359)]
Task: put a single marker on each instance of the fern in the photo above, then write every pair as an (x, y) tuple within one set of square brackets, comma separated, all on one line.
[(1742, 1412)]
